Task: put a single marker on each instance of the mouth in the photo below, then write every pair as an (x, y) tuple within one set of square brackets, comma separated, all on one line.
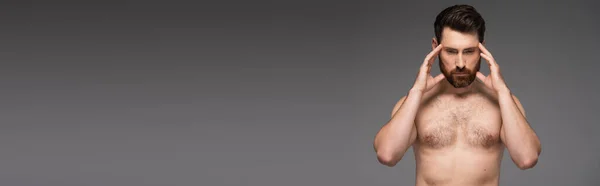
[(460, 74)]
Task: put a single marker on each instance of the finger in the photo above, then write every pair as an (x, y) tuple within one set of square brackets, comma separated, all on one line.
[(432, 81), (488, 59), (484, 50), (438, 78), (481, 76), (430, 58)]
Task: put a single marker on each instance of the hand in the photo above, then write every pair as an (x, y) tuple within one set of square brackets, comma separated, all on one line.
[(494, 80), (424, 80)]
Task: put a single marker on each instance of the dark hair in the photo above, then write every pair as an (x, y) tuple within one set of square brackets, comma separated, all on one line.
[(462, 18)]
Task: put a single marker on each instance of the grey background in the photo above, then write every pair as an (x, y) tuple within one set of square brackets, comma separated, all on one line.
[(267, 92)]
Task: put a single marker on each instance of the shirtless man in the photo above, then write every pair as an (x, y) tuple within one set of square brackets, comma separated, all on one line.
[(459, 127)]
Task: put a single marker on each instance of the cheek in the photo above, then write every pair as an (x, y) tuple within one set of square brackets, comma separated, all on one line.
[(445, 58), (473, 60)]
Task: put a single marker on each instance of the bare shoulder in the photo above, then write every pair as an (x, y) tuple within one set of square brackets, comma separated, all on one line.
[(493, 97), (426, 98)]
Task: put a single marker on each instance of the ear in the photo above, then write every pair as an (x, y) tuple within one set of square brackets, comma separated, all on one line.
[(483, 42), (434, 43)]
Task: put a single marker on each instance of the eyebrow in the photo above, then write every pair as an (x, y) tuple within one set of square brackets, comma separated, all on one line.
[(470, 48)]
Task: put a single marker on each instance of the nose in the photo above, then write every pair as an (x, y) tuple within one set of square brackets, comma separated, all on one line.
[(460, 63)]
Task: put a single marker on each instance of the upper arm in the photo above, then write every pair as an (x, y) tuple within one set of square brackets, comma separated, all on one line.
[(413, 133), (519, 105), (521, 109), (397, 106)]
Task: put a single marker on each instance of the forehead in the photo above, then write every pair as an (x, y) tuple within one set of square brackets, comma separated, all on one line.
[(458, 40)]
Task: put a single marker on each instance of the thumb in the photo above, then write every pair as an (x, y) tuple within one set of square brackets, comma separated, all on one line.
[(480, 76), (438, 78)]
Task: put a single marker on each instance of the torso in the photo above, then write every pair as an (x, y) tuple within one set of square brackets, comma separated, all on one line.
[(458, 139)]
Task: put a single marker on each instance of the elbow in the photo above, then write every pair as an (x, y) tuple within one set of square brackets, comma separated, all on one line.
[(531, 160), (527, 163), (387, 159)]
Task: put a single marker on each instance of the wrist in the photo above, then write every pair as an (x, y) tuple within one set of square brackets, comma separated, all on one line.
[(415, 91), (504, 91)]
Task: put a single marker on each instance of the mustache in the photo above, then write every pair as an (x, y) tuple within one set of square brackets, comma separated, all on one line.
[(461, 71)]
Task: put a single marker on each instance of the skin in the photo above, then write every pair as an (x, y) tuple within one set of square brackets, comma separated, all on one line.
[(458, 125)]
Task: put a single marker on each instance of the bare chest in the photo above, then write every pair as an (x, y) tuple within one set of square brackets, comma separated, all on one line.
[(443, 123)]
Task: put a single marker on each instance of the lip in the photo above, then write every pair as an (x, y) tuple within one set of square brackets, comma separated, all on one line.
[(460, 74)]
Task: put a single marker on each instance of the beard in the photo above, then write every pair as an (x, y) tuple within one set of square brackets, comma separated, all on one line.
[(460, 81)]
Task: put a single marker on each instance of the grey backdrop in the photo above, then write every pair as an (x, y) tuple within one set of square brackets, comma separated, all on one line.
[(267, 93)]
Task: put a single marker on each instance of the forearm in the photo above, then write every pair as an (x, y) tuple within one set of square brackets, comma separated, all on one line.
[(519, 138), (395, 137)]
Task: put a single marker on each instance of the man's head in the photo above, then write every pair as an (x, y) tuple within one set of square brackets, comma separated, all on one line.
[(459, 28)]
